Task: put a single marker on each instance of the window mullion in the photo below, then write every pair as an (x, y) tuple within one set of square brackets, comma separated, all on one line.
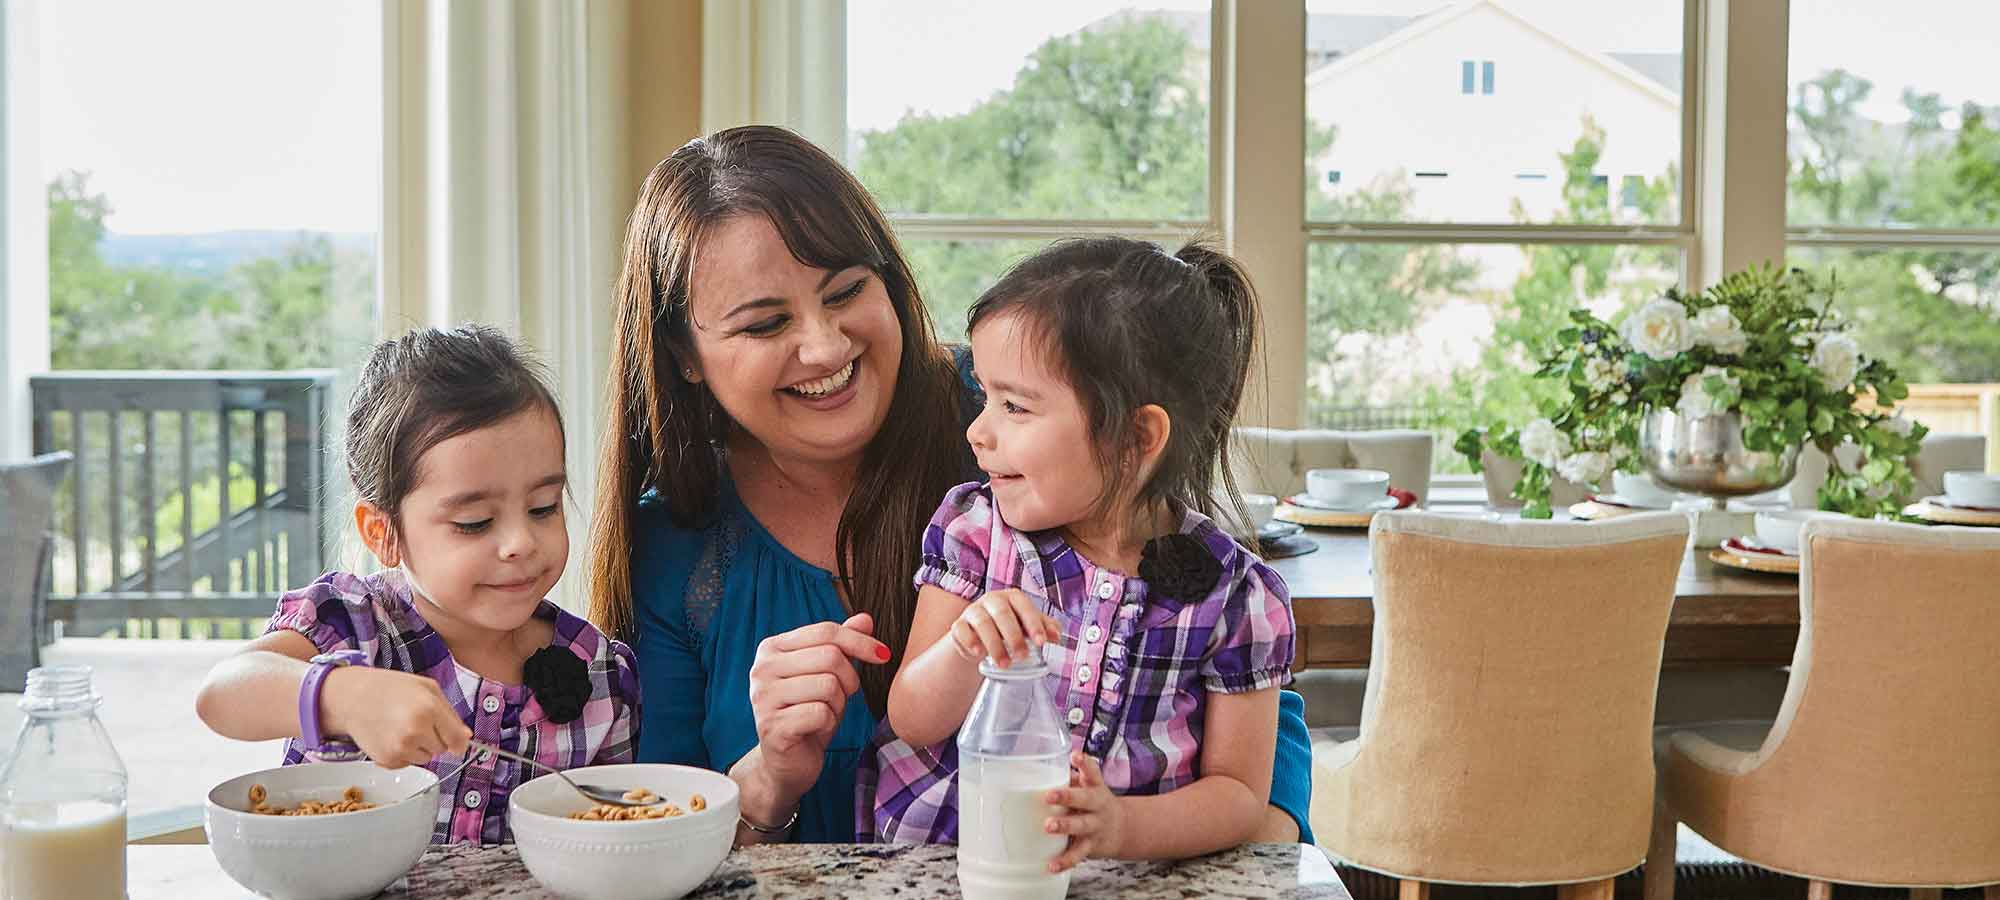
[(1263, 205), (1743, 160)]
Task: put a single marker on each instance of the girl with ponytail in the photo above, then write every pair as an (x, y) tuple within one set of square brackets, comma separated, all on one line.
[(1112, 373)]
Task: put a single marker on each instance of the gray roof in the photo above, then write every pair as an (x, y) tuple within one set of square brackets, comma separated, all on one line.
[(1332, 36)]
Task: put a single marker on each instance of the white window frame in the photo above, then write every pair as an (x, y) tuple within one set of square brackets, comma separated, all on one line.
[(24, 230)]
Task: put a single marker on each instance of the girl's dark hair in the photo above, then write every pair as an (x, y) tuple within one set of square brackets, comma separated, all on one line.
[(1126, 325), (424, 388), (661, 431)]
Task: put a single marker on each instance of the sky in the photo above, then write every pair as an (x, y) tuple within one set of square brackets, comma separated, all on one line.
[(205, 115)]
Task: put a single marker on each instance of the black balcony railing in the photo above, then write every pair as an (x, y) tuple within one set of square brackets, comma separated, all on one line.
[(197, 496)]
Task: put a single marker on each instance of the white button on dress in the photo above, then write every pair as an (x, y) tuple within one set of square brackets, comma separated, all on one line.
[(491, 704)]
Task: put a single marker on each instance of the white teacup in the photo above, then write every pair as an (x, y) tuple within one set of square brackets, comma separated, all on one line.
[(1347, 488), (1640, 489), (1972, 488), (1261, 507), (1779, 529)]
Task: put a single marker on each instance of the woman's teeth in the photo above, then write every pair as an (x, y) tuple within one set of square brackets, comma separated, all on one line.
[(823, 386)]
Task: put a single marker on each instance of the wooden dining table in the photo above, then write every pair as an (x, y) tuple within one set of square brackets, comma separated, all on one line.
[(1722, 617)]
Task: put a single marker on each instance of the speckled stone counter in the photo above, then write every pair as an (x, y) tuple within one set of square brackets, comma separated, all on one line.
[(806, 870)]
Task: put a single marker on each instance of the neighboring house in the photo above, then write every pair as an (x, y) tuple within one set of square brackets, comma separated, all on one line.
[(1471, 104)]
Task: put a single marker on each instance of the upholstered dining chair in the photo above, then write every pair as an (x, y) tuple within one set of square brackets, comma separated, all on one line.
[(1275, 460), (1883, 765), (1506, 729), (1941, 453)]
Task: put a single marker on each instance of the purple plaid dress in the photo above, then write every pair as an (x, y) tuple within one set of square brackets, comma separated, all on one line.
[(373, 614), (1131, 675)]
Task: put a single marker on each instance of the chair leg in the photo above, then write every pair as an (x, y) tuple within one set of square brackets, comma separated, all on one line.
[(1929, 893), (1588, 890), (1412, 889), (1992, 892), (1660, 855), (1819, 890)]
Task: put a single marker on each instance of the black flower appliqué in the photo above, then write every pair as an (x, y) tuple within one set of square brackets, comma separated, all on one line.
[(560, 681), (1179, 567)]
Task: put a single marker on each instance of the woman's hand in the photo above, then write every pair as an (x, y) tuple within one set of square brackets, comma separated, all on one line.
[(1095, 821), (397, 718), (799, 687), (1002, 624)]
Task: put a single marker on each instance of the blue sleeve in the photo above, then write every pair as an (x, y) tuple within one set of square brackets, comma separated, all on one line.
[(671, 675), (1291, 769)]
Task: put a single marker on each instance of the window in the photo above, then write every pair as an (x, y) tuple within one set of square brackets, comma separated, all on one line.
[(1894, 130), (1403, 318), (1333, 176), (1064, 114), (217, 212)]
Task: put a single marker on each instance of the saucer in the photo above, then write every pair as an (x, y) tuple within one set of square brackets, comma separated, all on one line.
[(1276, 530), (1948, 502), (1747, 544), (1307, 501), (1626, 502)]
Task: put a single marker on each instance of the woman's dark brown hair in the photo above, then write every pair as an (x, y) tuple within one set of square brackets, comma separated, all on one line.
[(426, 387), (662, 431), (1126, 325)]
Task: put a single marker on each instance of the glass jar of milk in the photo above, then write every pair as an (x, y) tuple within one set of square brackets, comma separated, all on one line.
[(62, 796), (1012, 749)]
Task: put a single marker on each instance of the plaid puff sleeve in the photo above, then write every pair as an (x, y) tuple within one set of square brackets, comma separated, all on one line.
[(335, 613), (1252, 644), (957, 542), (622, 741)]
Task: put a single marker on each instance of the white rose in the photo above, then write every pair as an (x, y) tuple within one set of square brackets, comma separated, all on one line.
[(1695, 399), (1718, 328), (1660, 329), (1599, 374), (1898, 425), (1541, 442), (1837, 358), (1585, 468)]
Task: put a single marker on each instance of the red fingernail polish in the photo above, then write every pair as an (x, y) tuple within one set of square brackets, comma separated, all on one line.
[(882, 653)]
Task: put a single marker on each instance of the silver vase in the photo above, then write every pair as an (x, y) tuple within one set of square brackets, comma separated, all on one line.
[(1706, 456)]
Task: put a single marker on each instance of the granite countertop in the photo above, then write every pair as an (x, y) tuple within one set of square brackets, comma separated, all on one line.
[(799, 870)]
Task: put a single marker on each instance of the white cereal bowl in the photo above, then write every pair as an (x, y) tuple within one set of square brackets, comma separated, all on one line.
[(1779, 529), (1972, 488), (647, 859), (1261, 507), (1347, 488), (328, 857)]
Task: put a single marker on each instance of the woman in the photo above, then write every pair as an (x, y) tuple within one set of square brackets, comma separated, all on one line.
[(783, 424)]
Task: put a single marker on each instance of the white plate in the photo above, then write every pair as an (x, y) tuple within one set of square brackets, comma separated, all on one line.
[(1307, 501), (1748, 544), (1946, 501), (1617, 500)]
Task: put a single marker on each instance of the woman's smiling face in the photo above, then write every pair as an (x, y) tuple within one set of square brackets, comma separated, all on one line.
[(804, 359)]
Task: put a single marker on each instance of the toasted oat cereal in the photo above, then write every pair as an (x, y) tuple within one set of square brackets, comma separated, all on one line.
[(351, 800), (657, 808)]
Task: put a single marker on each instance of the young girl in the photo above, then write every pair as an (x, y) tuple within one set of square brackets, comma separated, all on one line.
[(1112, 372), (455, 448)]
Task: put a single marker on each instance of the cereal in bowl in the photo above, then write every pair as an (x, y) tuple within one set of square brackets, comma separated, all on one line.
[(351, 800), (655, 808)]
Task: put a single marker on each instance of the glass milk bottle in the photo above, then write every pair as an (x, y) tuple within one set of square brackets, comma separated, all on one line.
[(1012, 750), (62, 796)]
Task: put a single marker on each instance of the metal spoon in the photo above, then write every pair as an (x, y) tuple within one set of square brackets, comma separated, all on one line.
[(598, 793)]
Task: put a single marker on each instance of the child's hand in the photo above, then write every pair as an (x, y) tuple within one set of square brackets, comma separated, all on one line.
[(1001, 624), (1095, 822), (397, 718)]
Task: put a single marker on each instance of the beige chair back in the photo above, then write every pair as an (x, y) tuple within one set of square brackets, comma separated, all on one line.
[(1276, 460), (1941, 453), (1883, 766), (1506, 731)]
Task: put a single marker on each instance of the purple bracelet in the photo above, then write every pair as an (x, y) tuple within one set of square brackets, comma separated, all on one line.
[(310, 737)]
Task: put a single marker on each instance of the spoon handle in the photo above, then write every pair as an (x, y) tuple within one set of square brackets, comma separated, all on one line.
[(513, 756)]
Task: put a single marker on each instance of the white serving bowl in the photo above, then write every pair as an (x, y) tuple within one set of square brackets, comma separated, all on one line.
[(329, 857), (1348, 488), (1972, 488), (1779, 529), (1642, 490), (1261, 507), (647, 859)]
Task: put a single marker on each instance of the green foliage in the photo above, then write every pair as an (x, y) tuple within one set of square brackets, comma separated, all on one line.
[(1764, 344)]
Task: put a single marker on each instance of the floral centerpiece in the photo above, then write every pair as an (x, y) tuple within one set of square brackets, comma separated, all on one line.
[(1764, 344)]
